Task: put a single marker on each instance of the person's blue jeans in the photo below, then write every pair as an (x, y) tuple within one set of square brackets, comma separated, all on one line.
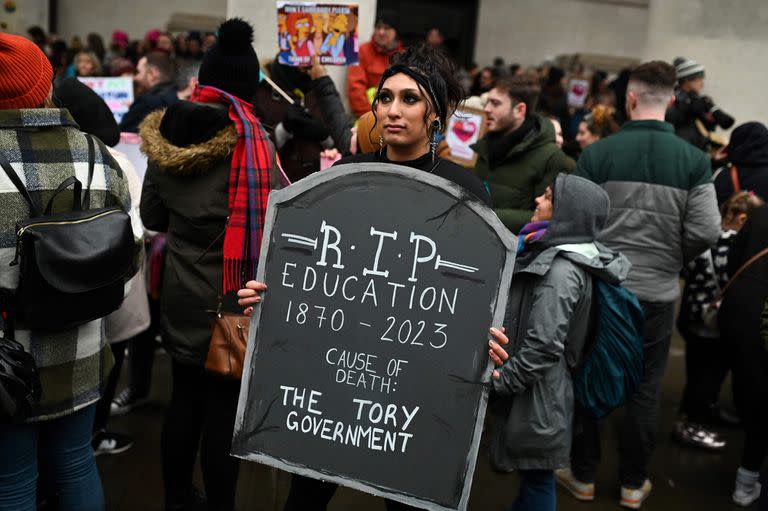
[(537, 491), (64, 447)]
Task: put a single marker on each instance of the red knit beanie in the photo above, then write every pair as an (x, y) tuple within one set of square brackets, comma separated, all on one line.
[(25, 73)]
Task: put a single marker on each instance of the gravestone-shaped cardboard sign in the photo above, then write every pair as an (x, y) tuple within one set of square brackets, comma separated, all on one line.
[(368, 363)]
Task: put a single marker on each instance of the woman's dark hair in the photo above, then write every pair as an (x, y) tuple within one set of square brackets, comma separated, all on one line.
[(95, 43), (435, 75)]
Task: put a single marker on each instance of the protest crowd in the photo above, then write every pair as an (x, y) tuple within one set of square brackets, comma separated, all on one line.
[(628, 186)]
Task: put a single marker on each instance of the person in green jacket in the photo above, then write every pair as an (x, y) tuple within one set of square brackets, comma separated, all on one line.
[(518, 158)]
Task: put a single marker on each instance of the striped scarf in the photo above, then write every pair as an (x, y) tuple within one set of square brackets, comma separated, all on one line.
[(249, 187), (530, 233)]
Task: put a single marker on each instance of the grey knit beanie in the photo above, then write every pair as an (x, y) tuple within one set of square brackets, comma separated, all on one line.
[(687, 69)]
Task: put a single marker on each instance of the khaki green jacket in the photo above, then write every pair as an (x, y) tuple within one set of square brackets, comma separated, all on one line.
[(525, 173)]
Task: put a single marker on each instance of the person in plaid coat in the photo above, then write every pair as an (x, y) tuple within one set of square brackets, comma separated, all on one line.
[(45, 146)]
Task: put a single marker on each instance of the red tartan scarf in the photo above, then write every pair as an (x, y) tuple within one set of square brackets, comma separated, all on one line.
[(249, 187)]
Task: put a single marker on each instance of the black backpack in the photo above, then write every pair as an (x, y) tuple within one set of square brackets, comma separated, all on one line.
[(73, 265)]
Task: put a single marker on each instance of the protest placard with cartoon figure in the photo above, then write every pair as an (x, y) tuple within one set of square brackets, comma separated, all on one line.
[(326, 30)]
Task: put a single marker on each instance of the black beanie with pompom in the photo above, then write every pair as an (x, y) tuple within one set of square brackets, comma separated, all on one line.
[(230, 64)]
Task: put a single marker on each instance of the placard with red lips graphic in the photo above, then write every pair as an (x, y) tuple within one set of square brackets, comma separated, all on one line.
[(464, 129), (577, 93)]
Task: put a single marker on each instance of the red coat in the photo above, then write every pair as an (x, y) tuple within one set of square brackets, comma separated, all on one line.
[(373, 62)]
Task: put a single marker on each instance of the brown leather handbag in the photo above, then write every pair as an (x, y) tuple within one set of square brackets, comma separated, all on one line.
[(226, 353)]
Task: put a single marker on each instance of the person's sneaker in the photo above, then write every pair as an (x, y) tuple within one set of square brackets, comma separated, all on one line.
[(106, 442), (633, 498), (746, 496), (747, 487), (126, 401), (696, 435), (580, 490)]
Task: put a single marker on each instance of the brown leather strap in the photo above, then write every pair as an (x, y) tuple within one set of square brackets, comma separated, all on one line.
[(752, 260), (735, 179)]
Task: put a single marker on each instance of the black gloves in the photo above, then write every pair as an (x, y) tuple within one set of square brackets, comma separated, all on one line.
[(302, 125)]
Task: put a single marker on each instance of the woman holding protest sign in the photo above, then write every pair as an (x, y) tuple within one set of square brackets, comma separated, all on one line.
[(547, 323), (416, 96)]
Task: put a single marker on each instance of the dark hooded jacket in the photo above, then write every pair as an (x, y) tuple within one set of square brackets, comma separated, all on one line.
[(743, 303), (160, 96), (546, 322), (185, 193), (748, 152)]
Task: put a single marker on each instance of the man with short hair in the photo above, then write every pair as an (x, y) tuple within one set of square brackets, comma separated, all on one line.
[(518, 158), (153, 81), (663, 213), (186, 78), (374, 60)]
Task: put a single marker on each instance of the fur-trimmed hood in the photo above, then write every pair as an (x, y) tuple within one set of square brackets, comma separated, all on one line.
[(184, 159)]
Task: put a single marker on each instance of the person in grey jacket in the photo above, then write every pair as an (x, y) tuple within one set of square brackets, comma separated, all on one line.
[(663, 214), (547, 324)]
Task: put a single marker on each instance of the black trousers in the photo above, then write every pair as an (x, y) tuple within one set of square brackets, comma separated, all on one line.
[(105, 403), (308, 494), (201, 413), (707, 362), (637, 436), (750, 388), (142, 353)]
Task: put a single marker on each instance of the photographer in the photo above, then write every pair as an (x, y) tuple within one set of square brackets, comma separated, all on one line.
[(694, 116)]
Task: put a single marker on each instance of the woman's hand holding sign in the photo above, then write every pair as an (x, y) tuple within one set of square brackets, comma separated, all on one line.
[(497, 353), (250, 295)]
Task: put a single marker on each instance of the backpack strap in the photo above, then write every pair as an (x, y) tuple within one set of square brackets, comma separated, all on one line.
[(591, 333), (34, 210), (78, 187), (735, 179), (744, 267), (91, 163)]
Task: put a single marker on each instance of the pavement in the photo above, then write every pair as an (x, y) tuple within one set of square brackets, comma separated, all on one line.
[(683, 478)]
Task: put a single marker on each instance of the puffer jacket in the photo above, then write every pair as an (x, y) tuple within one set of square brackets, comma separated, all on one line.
[(663, 207), (374, 60), (547, 323), (527, 170), (189, 150)]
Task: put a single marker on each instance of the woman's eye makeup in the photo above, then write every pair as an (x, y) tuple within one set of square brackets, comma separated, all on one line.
[(408, 97)]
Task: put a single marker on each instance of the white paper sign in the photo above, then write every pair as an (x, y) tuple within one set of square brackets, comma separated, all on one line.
[(117, 93)]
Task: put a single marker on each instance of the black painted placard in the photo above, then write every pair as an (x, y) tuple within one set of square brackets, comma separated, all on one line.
[(367, 363)]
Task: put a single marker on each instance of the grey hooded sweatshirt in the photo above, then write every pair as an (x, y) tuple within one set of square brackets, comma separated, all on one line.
[(547, 321)]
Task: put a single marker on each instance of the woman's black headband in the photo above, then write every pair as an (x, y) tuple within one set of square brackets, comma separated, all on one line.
[(419, 77)]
